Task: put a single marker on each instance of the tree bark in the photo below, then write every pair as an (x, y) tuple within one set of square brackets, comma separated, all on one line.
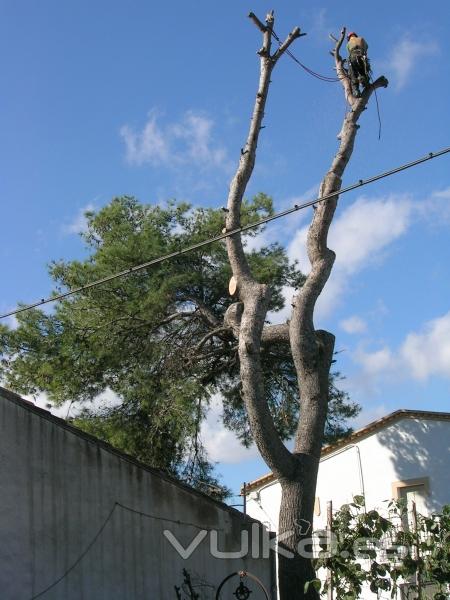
[(312, 350), (254, 296), (295, 528)]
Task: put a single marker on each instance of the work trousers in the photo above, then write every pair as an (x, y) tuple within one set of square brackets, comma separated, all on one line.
[(358, 70)]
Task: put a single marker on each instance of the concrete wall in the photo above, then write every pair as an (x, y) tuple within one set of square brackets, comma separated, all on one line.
[(406, 449), (61, 526)]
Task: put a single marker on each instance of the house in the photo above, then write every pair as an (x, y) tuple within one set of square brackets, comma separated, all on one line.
[(405, 454), (79, 519)]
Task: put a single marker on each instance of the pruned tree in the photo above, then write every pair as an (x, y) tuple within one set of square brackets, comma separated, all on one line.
[(157, 340), (311, 349), (165, 340)]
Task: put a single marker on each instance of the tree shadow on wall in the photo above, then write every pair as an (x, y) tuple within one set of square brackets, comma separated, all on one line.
[(421, 448)]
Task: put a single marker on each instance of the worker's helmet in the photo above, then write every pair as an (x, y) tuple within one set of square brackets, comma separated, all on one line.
[(351, 34)]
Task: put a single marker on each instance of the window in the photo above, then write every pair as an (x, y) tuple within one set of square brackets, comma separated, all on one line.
[(412, 490), (413, 493)]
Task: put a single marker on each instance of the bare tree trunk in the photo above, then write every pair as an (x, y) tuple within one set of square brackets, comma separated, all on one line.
[(312, 350), (255, 296), (295, 528)]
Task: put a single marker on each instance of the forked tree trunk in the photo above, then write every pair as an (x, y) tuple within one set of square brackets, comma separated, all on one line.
[(312, 350)]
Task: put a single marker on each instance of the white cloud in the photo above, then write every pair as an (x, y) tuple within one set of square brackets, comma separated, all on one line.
[(406, 58), (189, 140), (442, 195), (427, 353), (147, 146), (41, 400), (353, 324), (332, 294), (436, 208), (321, 27), (374, 368), (422, 355), (79, 223), (256, 242), (360, 237), (367, 227), (297, 249), (108, 398), (196, 130), (374, 362), (221, 444)]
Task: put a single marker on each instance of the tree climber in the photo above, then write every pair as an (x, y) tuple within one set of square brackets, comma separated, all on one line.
[(358, 63)]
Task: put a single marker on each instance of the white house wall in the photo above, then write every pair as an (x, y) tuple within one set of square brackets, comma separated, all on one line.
[(406, 449)]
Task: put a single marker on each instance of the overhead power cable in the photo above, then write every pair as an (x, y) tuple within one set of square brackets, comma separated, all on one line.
[(222, 236)]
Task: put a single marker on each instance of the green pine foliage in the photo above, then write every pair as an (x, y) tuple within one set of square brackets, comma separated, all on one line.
[(148, 336)]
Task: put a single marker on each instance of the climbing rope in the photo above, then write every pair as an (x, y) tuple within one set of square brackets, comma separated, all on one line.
[(378, 107), (328, 79), (325, 78)]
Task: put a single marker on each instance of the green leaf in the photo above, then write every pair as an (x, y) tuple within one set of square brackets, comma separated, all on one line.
[(315, 583), (359, 500)]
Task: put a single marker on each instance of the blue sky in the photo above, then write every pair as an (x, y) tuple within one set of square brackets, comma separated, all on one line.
[(104, 98)]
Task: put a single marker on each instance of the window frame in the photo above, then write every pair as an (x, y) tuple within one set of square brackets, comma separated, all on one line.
[(404, 483)]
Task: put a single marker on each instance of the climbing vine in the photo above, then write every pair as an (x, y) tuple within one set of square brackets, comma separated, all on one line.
[(365, 549)]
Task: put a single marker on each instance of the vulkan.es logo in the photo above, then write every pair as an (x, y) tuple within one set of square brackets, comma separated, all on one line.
[(262, 542)]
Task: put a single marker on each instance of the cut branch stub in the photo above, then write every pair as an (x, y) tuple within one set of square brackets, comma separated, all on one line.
[(257, 22), (232, 286), (295, 33)]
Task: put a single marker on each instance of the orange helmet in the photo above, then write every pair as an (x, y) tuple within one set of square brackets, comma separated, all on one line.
[(352, 33)]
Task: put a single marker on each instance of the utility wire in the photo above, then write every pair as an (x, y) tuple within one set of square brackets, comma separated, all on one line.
[(100, 531), (217, 238), (80, 558)]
